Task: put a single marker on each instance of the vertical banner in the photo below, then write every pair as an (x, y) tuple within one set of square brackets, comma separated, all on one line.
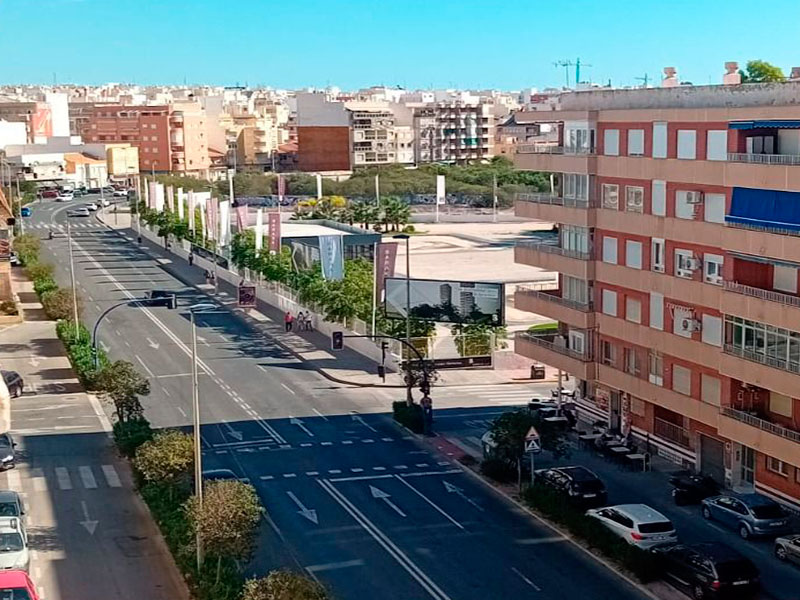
[(171, 198), (281, 191), (332, 256), (159, 197), (259, 230), (377, 189), (385, 258), (319, 186), (242, 217), (151, 194), (190, 206), (274, 232), (213, 225), (224, 222), (440, 193), (180, 203), (204, 221)]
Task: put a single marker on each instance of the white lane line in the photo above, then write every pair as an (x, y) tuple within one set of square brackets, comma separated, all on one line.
[(387, 439), (267, 477), (288, 389), (62, 476), (378, 468), (306, 444), (356, 470), (426, 473), (146, 368), (368, 441), (319, 414), (429, 501), (14, 480), (87, 477), (334, 471), (289, 475), (362, 477), (166, 392), (335, 565), (326, 443), (421, 465), (347, 442), (39, 481), (112, 478), (396, 553), (400, 467), (526, 580)]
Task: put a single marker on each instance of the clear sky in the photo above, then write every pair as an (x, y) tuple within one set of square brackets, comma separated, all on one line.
[(413, 43)]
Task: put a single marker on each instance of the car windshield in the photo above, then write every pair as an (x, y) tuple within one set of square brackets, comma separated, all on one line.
[(656, 527), (14, 594), (736, 570), (768, 511), (10, 542), (8, 509), (589, 485), (4, 442)]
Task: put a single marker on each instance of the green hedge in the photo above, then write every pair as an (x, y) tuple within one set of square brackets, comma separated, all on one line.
[(79, 351), (131, 434), (590, 531), (408, 416), (499, 470)]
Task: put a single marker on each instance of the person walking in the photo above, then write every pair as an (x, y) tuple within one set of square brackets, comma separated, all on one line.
[(287, 321), (191, 258), (301, 321), (308, 326)]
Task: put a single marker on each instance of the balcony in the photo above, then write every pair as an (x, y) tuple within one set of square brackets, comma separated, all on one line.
[(546, 300), (766, 306), (176, 119), (671, 432), (555, 209), (759, 434), (549, 149), (544, 348), (555, 159), (764, 159), (781, 376), (549, 256)]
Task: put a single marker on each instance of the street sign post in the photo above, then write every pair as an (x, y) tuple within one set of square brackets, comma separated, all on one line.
[(533, 446)]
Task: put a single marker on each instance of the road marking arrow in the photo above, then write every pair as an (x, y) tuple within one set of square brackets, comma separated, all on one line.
[(152, 344), (360, 419), (308, 513), (34, 361), (300, 424), (460, 493), (88, 523), (381, 495), (237, 435)]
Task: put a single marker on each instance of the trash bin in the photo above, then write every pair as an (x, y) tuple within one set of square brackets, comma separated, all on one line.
[(537, 371)]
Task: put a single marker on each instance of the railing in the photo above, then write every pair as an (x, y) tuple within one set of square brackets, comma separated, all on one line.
[(549, 149), (755, 292), (552, 247), (757, 357), (764, 227), (552, 199), (765, 159), (670, 431), (545, 341), (761, 424), (556, 299)]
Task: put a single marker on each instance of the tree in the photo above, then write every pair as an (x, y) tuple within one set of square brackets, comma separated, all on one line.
[(167, 458), (226, 520), (122, 384), (395, 212), (57, 303), (478, 339), (760, 71), (284, 585)]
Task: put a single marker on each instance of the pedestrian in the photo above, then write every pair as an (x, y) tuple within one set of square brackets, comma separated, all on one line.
[(301, 321), (308, 324), (287, 320), (191, 258)]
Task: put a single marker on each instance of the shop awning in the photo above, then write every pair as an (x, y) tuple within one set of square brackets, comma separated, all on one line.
[(765, 208), (785, 124)]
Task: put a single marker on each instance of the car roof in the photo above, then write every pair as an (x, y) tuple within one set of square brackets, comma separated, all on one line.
[(13, 577), (755, 500), (716, 551), (8, 496), (578, 473), (640, 512)]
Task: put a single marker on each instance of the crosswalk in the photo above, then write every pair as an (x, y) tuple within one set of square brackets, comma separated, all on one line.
[(73, 225), (494, 394), (38, 479)]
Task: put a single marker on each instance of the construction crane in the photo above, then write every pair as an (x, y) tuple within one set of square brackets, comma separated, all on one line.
[(645, 80), (567, 64)]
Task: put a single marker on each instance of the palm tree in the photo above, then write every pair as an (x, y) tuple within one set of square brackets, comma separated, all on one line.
[(363, 212), (395, 212)]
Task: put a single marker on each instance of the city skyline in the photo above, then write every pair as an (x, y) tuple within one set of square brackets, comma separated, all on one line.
[(359, 45)]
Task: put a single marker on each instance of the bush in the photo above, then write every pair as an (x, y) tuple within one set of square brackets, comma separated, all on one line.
[(408, 416), (409, 229), (9, 307), (499, 470), (38, 271), (43, 285), (79, 351), (57, 303), (27, 248), (131, 434)]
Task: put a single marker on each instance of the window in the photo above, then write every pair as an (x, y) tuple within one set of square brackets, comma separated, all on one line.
[(608, 353), (611, 142), (712, 268), (610, 250), (633, 254), (685, 263), (687, 144), (684, 209), (777, 466), (710, 389), (577, 342), (634, 199), (780, 404), (633, 310), (152, 125), (574, 289), (682, 380), (714, 208), (144, 138), (574, 237), (797, 480), (659, 140), (784, 279), (717, 145), (610, 303), (657, 247), (610, 195), (656, 368), (656, 310), (659, 198), (631, 361), (711, 330), (576, 186), (636, 142)]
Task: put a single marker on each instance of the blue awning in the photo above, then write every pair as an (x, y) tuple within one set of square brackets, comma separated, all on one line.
[(786, 124), (765, 208)]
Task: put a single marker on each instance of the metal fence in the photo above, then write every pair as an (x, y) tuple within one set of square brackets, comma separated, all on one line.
[(670, 431), (765, 159), (761, 424), (747, 290)]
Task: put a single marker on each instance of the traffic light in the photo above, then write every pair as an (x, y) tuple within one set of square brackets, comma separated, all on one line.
[(337, 340)]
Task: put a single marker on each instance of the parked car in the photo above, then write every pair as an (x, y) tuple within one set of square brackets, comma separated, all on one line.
[(708, 570), (92, 206), (105, 202), (161, 298), (788, 548), (11, 505), (749, 514), (16, 585), (64, 197), (109, 189), (49, 193), (94, 190), (691, 488), (81, 211), (580, 485), (121, 193), (25, 211), (13, 544), (78, 193), (637, 524), (14, 383), (7, 454)]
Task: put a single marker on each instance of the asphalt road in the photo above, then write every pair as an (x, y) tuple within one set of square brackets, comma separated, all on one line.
[(349, 496)]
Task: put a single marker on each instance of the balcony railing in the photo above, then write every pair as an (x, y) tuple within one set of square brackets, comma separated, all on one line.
[(765, 159), (552, 247), (549, 149), (761, 424), (755, 292), (550, 294), (758, 357), (547, 340), (554, 200), (765, 227), (670, 431)]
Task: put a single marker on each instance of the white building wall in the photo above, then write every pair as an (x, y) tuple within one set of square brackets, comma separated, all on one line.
[(59, 110), (12, 134)]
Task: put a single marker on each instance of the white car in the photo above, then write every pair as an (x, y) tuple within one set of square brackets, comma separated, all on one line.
[(13, 544), (120, 193), (65, 197), (92, 206), (104, 202), (81, 211), (637, 524)]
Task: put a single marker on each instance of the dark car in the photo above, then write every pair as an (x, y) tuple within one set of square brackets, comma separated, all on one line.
[(14, 383), (788, 548), (692, 488), (749, 514), (580, 485), (94, 190), (161, 298), (708, 570)]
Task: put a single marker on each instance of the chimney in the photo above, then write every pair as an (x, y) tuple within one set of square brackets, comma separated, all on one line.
[(670, 77), (732, 76), (795, 74)]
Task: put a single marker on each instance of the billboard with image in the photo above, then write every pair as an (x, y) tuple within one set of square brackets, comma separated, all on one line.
[(447, 301)]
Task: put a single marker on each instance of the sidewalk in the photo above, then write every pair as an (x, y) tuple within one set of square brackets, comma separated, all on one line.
[(313, 348)]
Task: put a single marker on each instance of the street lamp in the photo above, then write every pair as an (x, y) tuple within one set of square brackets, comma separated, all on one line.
[(407, 238), (198, 466)]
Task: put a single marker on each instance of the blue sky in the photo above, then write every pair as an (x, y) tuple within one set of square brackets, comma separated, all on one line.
[(356, 43)]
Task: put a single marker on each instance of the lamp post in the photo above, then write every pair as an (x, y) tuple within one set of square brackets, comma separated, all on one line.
[(407, 238)]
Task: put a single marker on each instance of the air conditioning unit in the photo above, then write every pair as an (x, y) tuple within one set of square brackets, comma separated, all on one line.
[(688, 325), (693, 263), (694, 197)]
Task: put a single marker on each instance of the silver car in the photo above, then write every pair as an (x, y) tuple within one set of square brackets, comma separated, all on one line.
[(788, 548), (13, 544), (637, 524), (749, 514)]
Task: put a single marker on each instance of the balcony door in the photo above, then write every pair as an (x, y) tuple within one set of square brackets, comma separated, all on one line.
[(748, 466)]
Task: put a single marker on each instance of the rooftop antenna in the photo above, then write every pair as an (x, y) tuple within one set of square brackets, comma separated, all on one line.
[(644, 79)]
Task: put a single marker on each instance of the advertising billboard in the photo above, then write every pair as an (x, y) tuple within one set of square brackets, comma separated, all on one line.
[(447, 301)]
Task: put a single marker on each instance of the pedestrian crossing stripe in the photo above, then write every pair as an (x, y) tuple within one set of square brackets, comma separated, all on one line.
[(62, 478)]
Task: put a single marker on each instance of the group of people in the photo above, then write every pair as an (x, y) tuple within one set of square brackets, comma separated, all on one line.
[(302, 319)]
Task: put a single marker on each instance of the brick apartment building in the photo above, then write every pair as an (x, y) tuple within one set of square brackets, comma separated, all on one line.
[(170, 138), (678, 254)]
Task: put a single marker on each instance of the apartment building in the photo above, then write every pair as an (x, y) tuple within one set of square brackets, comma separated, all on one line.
[(381, 136), (37, 117), (454, 132), (170, 138), (678, 254)]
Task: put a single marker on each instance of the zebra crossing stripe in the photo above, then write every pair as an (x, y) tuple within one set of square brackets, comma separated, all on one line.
[(14, 480), (87, 477), (39, 482), (62, 475), (111, 476)]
